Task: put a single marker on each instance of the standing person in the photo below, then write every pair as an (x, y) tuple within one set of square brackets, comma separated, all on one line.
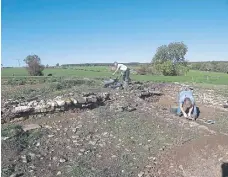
[(187, 105), (125, 71)]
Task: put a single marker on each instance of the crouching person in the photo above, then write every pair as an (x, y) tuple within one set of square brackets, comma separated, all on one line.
[(187, 106)]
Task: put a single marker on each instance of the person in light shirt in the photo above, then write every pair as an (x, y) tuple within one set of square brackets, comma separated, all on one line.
[(125, 71), (187, 104)]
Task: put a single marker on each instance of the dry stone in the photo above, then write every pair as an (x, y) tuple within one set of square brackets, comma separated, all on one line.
[(30, 127), (60, 103), (21, 109), (36, 108)]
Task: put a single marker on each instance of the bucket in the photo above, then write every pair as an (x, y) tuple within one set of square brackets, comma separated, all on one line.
[(173, 110)]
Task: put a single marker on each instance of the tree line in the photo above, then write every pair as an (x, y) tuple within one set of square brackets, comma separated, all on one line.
[(215, 66), (169, 60)]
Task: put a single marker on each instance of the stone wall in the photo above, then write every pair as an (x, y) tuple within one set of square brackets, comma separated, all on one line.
[(18, 108)]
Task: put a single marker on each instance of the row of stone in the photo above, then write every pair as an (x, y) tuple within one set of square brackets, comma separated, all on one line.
[(16, 109)]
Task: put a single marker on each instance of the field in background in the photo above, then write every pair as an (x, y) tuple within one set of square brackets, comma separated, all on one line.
[(104, 72)]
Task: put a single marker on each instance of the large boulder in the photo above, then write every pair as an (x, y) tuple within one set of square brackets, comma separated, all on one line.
[(22, 109)]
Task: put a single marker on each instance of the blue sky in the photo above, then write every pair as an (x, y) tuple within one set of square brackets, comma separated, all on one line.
[(73, 31)]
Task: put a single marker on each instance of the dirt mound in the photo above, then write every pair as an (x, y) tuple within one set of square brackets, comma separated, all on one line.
[(201, 158)]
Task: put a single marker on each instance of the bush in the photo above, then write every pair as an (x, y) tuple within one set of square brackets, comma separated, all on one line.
[(146, 69), (169, 69), (142, 70), (169, 60), (34, 66)]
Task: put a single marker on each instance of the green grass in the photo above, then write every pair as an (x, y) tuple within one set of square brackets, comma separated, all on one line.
[(100, 71)]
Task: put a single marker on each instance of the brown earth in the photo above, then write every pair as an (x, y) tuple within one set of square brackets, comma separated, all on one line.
[(105, 141), (200, 158)]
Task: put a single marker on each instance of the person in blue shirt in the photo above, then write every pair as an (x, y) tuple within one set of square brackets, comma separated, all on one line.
[(187, 106)]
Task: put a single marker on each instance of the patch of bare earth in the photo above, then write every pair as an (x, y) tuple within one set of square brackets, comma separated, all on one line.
[(200, 158)]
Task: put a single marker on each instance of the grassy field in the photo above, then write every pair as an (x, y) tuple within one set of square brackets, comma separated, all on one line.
[(104, 72)]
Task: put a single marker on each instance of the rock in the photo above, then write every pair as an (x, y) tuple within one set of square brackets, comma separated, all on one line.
[(22, 109), (48, 127), (59, 173), (17, 174), (130, 109), (149, 93), (40, 108), (10, 102), (62, 160), (141, 174), (75, 137), (105, 134), (50, 136), (81, 100), (74, 101), (158, 93), (30, 127), (37, 144), (4, 138), (74, 130), (42, 102), (24, 159), (54, 158), (87, 94), (60, 103), (31, 155), (54, 104), (144, 94), (79, 126), (106, 96), (68, 102), (91, 99), (92, 142), (32, 99), (32, 103)]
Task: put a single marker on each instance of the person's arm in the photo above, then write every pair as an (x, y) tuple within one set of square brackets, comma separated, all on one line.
[(190, 111), (182, 110), (118, 67)]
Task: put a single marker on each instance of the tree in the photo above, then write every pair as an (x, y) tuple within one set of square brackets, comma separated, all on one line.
[(169, 59), (57, 65), (177, 52), (34, 66), (162, 55)]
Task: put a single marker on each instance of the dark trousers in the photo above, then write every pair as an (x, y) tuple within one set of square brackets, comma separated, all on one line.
[(126, 75)]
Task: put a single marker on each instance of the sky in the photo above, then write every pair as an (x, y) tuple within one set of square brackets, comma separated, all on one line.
[(85, 31)]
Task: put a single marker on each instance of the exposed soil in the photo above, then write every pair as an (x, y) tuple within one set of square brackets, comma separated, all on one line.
[(107, 141), (203, 157)]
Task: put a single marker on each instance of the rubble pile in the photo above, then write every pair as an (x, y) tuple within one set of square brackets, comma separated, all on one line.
[(123, 100), (15, 109)]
